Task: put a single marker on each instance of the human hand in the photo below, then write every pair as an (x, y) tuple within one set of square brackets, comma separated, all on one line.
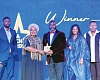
[(1, 64), (81, 61), (70, 47), (50, 52)]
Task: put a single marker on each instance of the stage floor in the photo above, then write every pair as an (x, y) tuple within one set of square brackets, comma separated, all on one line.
[(17, 73)]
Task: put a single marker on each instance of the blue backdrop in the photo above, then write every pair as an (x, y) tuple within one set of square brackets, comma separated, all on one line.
[(64, 12)]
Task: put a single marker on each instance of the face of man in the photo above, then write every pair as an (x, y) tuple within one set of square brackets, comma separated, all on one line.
[(93, 26), (6, 23), (52, 26)]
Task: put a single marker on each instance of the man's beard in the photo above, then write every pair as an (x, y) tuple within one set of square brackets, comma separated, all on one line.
[(7, 26), (53, 29)]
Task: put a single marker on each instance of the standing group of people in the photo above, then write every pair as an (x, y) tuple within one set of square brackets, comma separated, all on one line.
[(82, 53), (32, 66)]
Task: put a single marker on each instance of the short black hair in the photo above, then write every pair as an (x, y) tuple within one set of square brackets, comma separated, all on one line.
[(6, 18), (92, 22), (52, 21)]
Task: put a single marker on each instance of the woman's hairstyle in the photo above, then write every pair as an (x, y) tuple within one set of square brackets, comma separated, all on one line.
[(71, 33), (33, 25)]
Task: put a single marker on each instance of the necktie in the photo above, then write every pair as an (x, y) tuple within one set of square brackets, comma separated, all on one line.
[(52, 32)]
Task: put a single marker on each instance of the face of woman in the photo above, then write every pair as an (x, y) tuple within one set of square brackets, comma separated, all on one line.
[(75, 30), (33, 31)]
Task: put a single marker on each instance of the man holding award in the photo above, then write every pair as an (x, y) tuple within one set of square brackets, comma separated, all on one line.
[(54, 43)]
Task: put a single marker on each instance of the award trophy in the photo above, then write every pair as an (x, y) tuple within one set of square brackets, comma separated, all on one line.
[(47, 48)]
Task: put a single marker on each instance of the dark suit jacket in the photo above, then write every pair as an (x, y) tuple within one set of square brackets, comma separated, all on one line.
[(58, 45), (4, 44)]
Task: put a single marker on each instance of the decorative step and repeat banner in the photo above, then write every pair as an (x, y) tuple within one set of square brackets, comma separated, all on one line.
[(64, 12)]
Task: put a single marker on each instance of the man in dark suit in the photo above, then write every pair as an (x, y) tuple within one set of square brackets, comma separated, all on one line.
[(55, 56), (8, 49)]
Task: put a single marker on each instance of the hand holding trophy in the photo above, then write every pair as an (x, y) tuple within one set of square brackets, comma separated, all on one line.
[(47, 48)]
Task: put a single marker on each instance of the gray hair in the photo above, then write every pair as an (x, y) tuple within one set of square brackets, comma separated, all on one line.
[(33, 25)]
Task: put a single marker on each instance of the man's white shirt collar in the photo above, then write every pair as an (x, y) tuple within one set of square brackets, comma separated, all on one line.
[(94, 34)]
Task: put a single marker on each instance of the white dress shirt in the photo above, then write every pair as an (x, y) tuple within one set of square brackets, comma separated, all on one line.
[(8, 33), (92, 44), (51, 37)]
